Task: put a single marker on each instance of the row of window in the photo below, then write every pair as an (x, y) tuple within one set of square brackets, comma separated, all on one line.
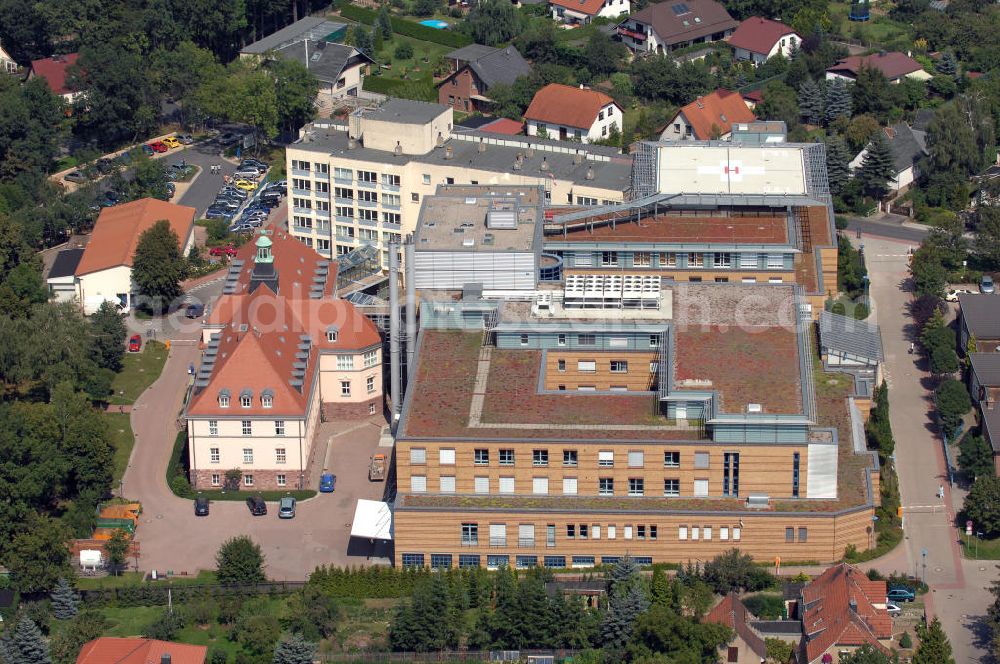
[(469, 533), (280, 479), (669, 259), (499, 561), (246, 427), (570, 458), (246, 399), (590, 366), (637, 487), (280, 456)]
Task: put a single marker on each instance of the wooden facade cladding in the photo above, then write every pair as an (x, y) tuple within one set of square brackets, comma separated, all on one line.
[(571, 370)]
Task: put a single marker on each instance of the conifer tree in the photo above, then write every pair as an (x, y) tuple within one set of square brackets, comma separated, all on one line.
[(26, 645), (294, 650), (65, 601), (947, 65), (838, 169), (838, 101), (878, 167), (934, 646), (811, 102)]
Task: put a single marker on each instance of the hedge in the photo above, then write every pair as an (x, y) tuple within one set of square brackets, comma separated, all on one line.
[(421, 90), (406, 28), (153, 594), (366, 582)]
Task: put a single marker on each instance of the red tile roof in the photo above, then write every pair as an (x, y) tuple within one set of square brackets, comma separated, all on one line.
[(118, 228), (589, 7), (703, 19), (261, 332), (894, 65), (838, 610), (567, 105), (110, 650), (759, 35), (721, 110), (732, 613), (53, 70), (504, 126)]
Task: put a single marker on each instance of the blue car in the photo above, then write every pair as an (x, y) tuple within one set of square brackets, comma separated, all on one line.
[(327, 482), (215, 213), (901, 594)]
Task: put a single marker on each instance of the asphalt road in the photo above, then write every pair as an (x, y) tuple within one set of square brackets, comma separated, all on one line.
[(887, 229)]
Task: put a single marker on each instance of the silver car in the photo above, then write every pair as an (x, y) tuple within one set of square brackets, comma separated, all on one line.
[(286, 508)]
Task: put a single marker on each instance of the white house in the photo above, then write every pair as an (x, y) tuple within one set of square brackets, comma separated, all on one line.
[(665, 26), (7, 63), (55, 71), (758, 39), (894, 65), (584, 11), (908, 148), (567, 113), (105, 268), (708, 118)]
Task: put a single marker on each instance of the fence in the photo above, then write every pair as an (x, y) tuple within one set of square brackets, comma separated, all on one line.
[(470, 656), (153, 594)]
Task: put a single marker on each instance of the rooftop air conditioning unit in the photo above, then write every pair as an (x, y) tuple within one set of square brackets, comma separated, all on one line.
[(468, 242), (754, 408), (757, 501)]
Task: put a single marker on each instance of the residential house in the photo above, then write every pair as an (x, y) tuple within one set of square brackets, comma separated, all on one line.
[(746, 645), (338, 67), (585, 11), (708, 118), (467, 88), (569, 113), (310, 28), (757, 39), (114, 650), (894, 65), (54, 71), (104, 271), (909, 147), (7, 63), (979, 320), (984, 384), (466, 54), (61, 278), (665, 26), (842, 610), (282, 352)]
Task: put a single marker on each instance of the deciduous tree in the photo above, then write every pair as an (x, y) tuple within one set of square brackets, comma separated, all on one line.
[(38, 556), (239, 560), (109, 334), (493, 22), (952, 401), (976, 456), (982, 505), (157, 268)]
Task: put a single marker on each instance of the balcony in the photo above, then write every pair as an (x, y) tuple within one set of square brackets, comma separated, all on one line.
[(635, 36), (470, 542), (345, 220), (498, 541), (322, 213), (367, 204), (389, 206), (343, 201), (345, 239), (302, 230), (365, 184), (390, 187), (371, 223), (302, 210), (321, 176), (347, 181), (526, 543), (389, 226), (302, 192), (301, 173)]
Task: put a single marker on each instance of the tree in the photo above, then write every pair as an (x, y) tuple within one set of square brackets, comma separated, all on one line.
[(866, 654), (604, 56), (779, 651), (878, 167), (952, 154), (661, 590), (987, 244), (660, 635), (109, 334), (312, 614), (838, 160), (429, 622), (735, 571), (164, 627), (929, 275), (239, 560), (157, 268), (426, 7), (384, 23), (982, 504), (31, 127), (976, 456), (295, 89), (38, 556), (934, 647), (117, 549), (257, 634), (952, 401), (493, 22), (66, 643), (878, 428), (838, 101), (947, 65), (811, 102), (626, 600), (65, 601), (294, 650), (780, 103), (26, 646), (869, 92), (362, 39)]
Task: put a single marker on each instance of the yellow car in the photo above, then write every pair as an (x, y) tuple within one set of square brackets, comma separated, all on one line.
[(171, 142), (245, 185)]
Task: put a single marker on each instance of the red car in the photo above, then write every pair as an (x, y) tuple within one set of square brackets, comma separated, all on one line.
[(135, 344), (228, 250), (158, 146)]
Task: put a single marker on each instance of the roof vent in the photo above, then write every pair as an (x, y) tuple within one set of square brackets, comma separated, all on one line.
[(440, 140), (757, 501), (482, 145), (468, 242), (449, 153), (590, 173), (351, 143), (398, 150), (754, 408), (545, 164)]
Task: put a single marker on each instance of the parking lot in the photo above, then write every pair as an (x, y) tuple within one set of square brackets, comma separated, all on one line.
[(173, 539)]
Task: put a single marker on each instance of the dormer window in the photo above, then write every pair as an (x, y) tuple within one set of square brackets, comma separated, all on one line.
[(246, 398), (224, 398), (267, 398), (331, 335)]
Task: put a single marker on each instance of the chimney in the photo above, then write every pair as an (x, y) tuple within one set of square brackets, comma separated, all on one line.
[(482, 145), (545, 164), (398, 150), (449, 152), (165, 658), (351, 143), (440, 140), (578, 157), (581, 86), (853, 603), (530, 152), (590, 173)]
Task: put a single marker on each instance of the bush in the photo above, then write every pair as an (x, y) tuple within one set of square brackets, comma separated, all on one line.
[(407, 28), (905, 641), (422, 90), (165, 627), (404, 51), (952, 401), (860, 311), (838, 308)]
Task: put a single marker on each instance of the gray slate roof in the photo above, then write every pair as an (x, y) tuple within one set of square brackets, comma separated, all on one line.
[(987, 368), (847, 335), (981, 314), (406, 111), (908, 146), (470, 52), (313, 28), (325, 60), (65, 263), (504, 65), (922, 119)]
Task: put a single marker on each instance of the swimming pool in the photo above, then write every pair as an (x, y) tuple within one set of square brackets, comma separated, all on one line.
[(435, 23)]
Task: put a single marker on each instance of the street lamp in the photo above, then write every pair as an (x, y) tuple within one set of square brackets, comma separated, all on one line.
[(865, 279), (923, 555)]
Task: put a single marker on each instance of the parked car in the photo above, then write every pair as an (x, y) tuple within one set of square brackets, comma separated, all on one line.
[(222, 201), (194, 310), (104, 165), (901, 594), (171, 142), (185, 139), (242, 227), (893, 609), (986, 285), (201, 506), (250, 174), (148, 149), (159, 146), (281, 186), (239, 193), (228, 250), (124, 158), (327, 483), (257, 506), (75, 176), (953, 294), (217, 213), (254, 162), (135, 343), (286, 508), (245, 185)]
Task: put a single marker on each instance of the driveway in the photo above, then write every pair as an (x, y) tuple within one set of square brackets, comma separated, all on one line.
[(173, 540), (958, 596)]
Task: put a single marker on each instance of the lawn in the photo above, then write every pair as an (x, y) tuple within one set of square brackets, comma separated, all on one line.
[(129, 579), (879, 31), (979, 549), (120, 428), (139, 372)]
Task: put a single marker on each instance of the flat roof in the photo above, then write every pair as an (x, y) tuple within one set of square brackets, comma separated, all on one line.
[(65, 263), (455, 219), (314, 28), (711, 168), (612, 175), (404, 111), (679, 228)]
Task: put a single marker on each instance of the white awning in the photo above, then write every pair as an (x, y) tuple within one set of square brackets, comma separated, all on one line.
[(372, 520)]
